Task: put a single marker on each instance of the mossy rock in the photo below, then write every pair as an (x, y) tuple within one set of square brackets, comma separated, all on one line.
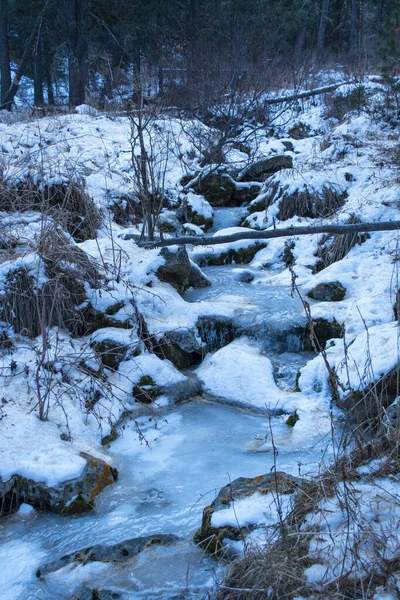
[(324, 330), (258, 205), (217, 187), (114, 308), (241, 256), (246, 193), (94, 319), (74, 496), (299, 131), (261, 169), (176, 268), (110, 352), (197, 219), (328, 292), (179, 358), (211, 538), (146, 391), (216, 332), (292, 419)]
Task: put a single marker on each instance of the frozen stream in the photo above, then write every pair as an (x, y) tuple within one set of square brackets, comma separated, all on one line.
[(191, 451), (194, 450)]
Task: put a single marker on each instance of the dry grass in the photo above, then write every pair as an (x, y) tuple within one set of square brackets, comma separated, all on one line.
[(310, 204), (67, 203), (26, 304), (333, 248)]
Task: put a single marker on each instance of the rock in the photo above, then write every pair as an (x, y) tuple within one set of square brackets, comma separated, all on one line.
[(299, 131), (70, 497), (324, 330), (216, 186), (243, 276), (176, 269), (197, 278), (168, 221), (172, 352), (262, 169), (212, 538), (181, 347), (146, 391), (328, 292), (113, 345), (216, 332), (96, 319), (186, 339), (117, 553), (288, 145), (87, 593), (111, 354), (246, 192), (198, 211), (239, 256)]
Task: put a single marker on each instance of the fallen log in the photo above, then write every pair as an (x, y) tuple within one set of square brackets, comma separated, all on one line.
[(208, 240)]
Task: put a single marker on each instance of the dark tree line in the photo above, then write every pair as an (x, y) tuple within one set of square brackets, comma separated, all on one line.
[(186, 45)]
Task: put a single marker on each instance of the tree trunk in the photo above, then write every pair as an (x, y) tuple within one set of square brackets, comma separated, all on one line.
[(353, 30), (5, 72), (38, 75), (301, 33), (48, 59), (34, 36), (78, 53), (275, 233), (192, 46), (322, 28)]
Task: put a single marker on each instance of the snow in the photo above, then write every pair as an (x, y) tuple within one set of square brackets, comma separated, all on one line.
[(199, 205), (347, 542), (369, 356), (247, 375), (26, 510), (260, 509)]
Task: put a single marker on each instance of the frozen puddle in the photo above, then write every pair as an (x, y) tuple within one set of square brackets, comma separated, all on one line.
[(163, 487)]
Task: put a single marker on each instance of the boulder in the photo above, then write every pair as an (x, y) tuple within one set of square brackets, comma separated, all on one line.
[(243, 276), (212, 538), (240, 256), (246, 192), (146, 391), (216, 332), (217, 187), (328, 292), (113, 345), (197, 278), (70, 497), (181, 347), (176, 269), (198, 211), (116, 553), (262, 169)]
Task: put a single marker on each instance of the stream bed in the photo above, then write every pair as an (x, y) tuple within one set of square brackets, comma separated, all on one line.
[(166, 479)]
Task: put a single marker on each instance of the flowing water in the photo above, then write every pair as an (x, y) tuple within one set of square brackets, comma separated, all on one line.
[(168, 472)]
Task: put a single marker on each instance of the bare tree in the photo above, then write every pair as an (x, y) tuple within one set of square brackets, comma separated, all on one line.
[(322, 28)]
